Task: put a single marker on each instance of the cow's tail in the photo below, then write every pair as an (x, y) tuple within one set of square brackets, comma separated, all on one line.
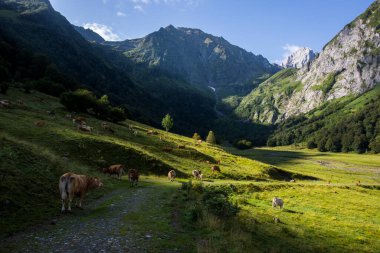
[(63, 187)]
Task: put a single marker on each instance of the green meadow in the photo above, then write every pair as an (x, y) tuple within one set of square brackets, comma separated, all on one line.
[(333, 205)]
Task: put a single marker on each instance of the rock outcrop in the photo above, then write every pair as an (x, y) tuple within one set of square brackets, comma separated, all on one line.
[(348, 65), (299, 58)]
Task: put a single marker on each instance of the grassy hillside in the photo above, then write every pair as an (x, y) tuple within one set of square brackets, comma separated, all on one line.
[(346, 124), (318, 216), (39, 155), (262, 104), (228, 210)]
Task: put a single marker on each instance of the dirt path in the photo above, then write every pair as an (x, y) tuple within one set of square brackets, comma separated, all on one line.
[(126, 220)]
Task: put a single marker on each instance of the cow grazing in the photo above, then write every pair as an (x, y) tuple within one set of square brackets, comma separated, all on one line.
[(218, 162), (197, 174), (199, 142), (292, 181), (116, 169), (181, 146), (39, 123), (5, 103), (277, 202), (215, 168), (171, 175), (85, 128), (72, 185), (133, 177), (79, 120)]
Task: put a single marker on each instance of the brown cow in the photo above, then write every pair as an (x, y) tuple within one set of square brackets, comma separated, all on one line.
[(181, 146), (215, 168), (133, 176), (116, 169), (167, 149), (72, 185), (40, 123), (171, 175)]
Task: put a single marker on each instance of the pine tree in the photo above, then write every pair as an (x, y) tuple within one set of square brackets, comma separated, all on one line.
[(167, 122), (211, 138)]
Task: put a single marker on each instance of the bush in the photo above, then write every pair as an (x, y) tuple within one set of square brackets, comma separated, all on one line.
[(117, 114), (271, 142), (217, 202), (243, 144), (197, 137), (83, 100), (311, 144)]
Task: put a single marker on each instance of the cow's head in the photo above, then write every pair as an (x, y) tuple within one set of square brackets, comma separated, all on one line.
[(97, 182)]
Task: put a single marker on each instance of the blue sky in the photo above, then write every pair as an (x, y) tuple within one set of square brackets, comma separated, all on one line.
[(272, 28)]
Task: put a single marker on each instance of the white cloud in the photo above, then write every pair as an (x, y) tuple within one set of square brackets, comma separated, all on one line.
[(120, 14), (103, 30), (138, 8), (288, 50)]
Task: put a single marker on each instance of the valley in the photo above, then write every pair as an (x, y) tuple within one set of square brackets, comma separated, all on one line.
[(264, 156)]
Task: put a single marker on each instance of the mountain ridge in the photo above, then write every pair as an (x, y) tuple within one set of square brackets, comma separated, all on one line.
[(348, 64)]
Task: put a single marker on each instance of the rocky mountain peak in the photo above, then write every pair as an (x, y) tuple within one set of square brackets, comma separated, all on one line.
[(299, 58)]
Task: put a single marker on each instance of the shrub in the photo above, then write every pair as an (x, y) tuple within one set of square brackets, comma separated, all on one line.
[(197, 137), (271, 142), (243, 144), (311, 144), (83, 100), (217, 202), (117, 114)]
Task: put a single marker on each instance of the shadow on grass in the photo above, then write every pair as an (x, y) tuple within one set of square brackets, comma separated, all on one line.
[(277, 158)]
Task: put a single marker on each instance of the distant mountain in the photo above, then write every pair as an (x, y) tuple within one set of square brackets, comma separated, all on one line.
[(199, 58), (299, 58), (348, 65), (89, 34)]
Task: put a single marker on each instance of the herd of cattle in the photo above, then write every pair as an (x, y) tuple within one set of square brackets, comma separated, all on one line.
[(72, 185)]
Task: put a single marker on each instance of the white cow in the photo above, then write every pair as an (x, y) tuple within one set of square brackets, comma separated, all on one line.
[(277, 202)]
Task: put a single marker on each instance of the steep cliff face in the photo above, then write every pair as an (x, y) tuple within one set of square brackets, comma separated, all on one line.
[(299, 58), (348, 65)]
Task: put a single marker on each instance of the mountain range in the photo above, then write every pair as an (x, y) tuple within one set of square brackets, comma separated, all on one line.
[(202, 80)]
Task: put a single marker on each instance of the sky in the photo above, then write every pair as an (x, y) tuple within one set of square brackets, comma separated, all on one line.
[(272, 28)]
